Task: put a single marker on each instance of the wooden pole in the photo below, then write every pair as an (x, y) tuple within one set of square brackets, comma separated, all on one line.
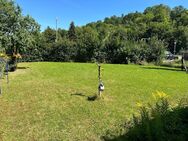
[(99, 76)]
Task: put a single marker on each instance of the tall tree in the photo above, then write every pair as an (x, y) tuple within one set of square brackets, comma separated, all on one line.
[(72, 32), (88, 42), (49, 35), (16, 31)]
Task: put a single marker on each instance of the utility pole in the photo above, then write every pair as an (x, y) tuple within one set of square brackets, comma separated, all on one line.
[(56, 30)]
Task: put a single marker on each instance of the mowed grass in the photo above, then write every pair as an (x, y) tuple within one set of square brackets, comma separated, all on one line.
[(48, 101)]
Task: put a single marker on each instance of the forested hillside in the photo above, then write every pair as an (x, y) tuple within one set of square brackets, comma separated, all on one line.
[(132, 38)]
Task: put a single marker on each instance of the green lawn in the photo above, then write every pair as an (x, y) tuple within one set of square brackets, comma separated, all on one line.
[(48, 101)]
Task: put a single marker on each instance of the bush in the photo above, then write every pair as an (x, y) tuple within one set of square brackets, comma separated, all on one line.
[(62, 51), (157, 123), (155, 50)]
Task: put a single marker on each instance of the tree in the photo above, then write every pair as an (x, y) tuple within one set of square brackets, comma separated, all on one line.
[(114, 47), (61, 51), (135, 37), (16, 31), (179, 15), (49, 35), (161, 13), (72, 32), (181, 37), (155, 50), (87, 43), (10, 18)]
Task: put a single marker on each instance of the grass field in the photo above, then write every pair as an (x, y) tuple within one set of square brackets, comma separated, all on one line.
[(48, 101)]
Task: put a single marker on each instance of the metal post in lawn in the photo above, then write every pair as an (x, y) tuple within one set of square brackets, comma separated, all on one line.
[(101, 85), (99, 76)]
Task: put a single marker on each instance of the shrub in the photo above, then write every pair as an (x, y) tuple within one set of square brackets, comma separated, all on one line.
[(157, 123)]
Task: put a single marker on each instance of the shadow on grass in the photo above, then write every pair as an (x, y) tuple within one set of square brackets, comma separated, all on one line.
[(92, 98), (78, 94), (89, 98), (22, 68), (162, 68), (170, 126), (170, 65)]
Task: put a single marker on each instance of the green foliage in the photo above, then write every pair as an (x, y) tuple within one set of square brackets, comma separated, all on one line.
[(121, 50), (72, 32), (114, 47), (179, 16), (49, 35), (161, 13), (160, 122), (18, 33), (62, 51), (87, 43), (135, 37), (155, 50)]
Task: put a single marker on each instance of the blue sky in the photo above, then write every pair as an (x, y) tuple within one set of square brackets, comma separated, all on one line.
[(85, 11)]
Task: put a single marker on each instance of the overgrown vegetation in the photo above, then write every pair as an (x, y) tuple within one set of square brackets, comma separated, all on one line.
[(161, 122), (136, 37)]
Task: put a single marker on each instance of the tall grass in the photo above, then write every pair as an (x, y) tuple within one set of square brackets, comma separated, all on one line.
[(160, 122)]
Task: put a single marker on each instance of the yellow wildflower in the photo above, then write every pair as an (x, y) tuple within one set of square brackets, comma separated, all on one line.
[(159, 95), (139, 104)]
